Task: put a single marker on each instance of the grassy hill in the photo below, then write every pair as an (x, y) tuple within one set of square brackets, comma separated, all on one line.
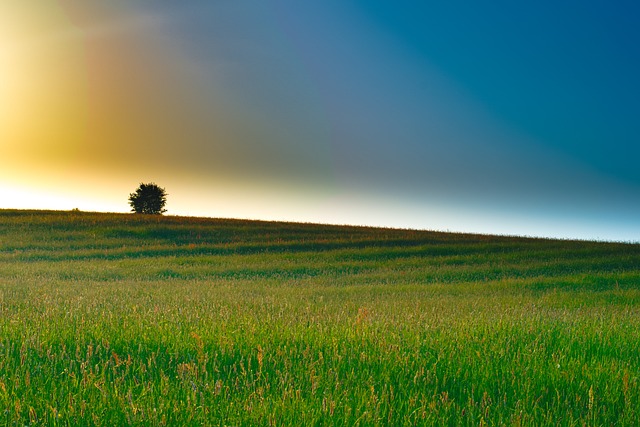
[(117, 319)]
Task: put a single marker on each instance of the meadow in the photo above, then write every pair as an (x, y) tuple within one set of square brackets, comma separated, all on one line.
[(122, 319)]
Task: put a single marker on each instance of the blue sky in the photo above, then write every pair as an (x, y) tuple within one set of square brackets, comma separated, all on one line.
[(507, 118)]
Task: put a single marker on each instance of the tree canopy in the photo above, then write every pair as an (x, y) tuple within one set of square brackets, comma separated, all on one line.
[(148, 199)]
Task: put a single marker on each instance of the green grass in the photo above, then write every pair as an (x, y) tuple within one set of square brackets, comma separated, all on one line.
[(115, 319)]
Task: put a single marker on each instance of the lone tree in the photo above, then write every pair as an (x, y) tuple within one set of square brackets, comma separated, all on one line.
[(148, 199)]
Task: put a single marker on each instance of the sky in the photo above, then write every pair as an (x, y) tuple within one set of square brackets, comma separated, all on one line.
[(515, 118)]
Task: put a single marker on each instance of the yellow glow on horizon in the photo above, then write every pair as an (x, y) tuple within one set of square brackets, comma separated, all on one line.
[(89, 90), (93, 103), (5, 84), (11, 87), (26, 198), (43, 109)]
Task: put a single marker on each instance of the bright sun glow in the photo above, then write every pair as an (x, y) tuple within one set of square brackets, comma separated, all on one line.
[(11, 87), (4, 84), (42, 95), (24, 198)]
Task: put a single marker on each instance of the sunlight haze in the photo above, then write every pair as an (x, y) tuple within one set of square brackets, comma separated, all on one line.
[(507, 119)]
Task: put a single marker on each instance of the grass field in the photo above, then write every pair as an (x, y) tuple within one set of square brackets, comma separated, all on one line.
[(116, 319)]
